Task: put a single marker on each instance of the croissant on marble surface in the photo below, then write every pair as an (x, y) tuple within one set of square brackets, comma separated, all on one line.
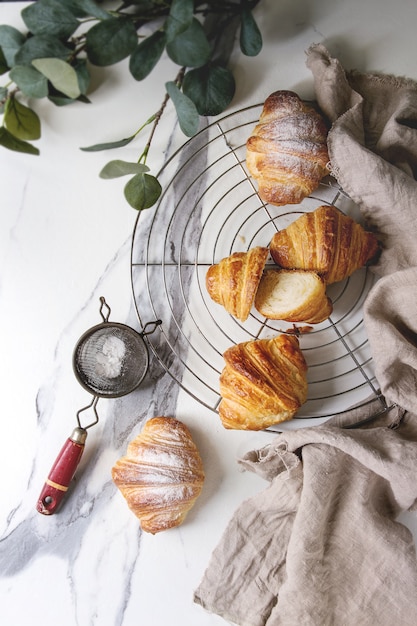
[(287, 150), (293, 296), (233, 281), (161, 475), (325, 241), (264, 382)]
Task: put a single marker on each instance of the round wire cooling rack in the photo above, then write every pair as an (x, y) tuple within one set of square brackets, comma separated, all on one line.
[(209, 209)]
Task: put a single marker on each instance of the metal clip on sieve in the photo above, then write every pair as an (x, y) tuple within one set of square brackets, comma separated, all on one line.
[(110, 360)]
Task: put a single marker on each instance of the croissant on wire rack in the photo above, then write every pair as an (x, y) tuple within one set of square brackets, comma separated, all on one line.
[(325, 241), (233, 281), (161, 475), (264, 382), (293, 296), (287, 150)]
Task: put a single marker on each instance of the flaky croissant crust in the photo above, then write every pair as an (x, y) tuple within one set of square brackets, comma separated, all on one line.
[(326, 241), (263, 383), (161, 475), (233, 281), (287, 151)]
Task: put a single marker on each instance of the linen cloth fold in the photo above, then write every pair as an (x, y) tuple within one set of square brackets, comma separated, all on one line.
[(373, 154), (320, 546)]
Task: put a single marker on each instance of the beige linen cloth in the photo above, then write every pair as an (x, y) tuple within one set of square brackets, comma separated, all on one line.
[(320, 545)]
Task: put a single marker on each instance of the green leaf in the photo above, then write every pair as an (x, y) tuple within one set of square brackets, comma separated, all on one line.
[(10, 41), (109, 145), (146, 55), (49, 17), (62, 76), (191, 48), (9, 141), (179, 19), (31, 82), (83, 75), (110, 41), (41, 47), (84, 8), (142, 191), (250, 35), (60, 100), (21, 121), (187, 113), (115, 169), (3, 63), (211, 88)]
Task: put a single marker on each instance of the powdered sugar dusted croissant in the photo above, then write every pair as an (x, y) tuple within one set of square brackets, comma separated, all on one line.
[(161, 475), (287, 150), (325, 241), (234, 280), (264, 382)]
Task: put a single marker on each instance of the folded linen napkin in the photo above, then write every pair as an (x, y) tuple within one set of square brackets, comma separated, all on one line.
[(320, 545), (373, 154)]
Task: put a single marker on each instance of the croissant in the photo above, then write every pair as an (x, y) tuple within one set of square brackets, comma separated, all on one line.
[(287, 150), (264, 382), (234, 280), (161, 475), (293, 296), (325, 241)]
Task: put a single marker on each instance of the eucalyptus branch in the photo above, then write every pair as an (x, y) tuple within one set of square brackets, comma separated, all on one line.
[(52, 61), (157, 119), (158, 115)]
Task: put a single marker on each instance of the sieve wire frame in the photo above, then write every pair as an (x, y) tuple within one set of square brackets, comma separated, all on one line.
[(134, 365)]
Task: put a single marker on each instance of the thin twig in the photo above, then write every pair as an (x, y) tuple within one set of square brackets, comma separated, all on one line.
[(178, 80)]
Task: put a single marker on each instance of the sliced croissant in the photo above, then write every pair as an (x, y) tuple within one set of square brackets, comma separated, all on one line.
[(293, 296), (287, 150), (263, 383), (234, 280), (161, 475), (325, 241)]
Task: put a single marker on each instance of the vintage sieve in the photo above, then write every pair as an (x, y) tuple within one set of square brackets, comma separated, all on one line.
[(110, 360)]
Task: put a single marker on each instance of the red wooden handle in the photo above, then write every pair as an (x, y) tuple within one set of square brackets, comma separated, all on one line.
[(62, 472)]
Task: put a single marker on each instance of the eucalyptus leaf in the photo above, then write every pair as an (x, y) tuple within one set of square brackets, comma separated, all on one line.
[(10, 41), (84, 8), (117, 168), (60, 100), (3, 63), (250, 35), (31, 82), (110, 41), (62, 76), (191, 48), (142, 191), (9, 141), (147, 5), (109, 145), (83, 75), (211, 88), (187, 113), (49, 17), (146, 55), (41, 47), (21, 121), (179, 19)]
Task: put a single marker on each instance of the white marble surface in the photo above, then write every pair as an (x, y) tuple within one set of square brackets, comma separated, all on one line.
[(65, 240)]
